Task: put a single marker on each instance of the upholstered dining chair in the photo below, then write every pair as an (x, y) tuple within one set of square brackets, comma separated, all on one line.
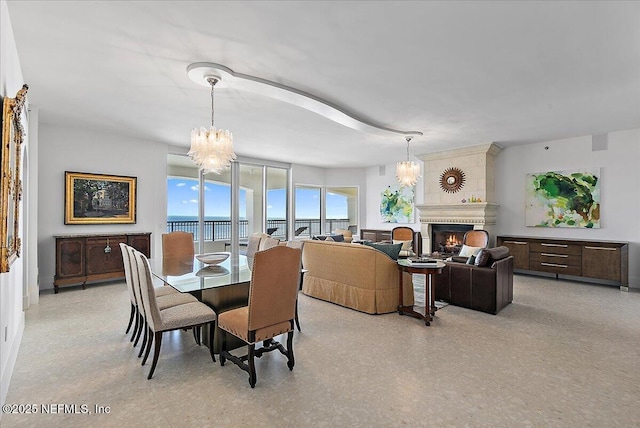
[(270, 312), (188, 315), (166, 297), (403, 235), (136, 308), (253, 245), (177, 243), (269, 242)]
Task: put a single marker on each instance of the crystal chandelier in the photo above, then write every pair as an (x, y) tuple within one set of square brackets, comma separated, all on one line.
[(408, 172), (212, 149)]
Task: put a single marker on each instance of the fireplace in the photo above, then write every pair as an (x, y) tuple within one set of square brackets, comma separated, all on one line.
[(446, 239)]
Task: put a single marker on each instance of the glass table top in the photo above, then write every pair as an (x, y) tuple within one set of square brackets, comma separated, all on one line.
[(186, 275)]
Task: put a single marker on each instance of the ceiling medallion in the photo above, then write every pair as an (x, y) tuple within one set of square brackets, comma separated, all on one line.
[(452, 180)]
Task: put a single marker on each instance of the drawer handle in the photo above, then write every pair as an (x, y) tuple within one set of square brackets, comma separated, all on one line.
[(554, 255), (600, 248), (515, 242), (554, 265), (554, 245)]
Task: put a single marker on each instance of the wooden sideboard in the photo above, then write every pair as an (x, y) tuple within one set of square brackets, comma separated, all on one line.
[(84, 258), (600, 260)]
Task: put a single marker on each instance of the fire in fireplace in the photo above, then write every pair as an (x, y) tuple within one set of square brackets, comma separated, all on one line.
[(446, 239)]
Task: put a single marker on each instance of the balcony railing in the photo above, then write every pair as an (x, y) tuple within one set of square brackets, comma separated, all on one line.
[(220, 230)]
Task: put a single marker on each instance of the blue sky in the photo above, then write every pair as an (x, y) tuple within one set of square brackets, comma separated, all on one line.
[(182, 200)]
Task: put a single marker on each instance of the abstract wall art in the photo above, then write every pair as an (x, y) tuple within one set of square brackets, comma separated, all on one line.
[(563, 199), (396, 205)]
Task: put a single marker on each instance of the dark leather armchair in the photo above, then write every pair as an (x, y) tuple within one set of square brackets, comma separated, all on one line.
[(486, 288)]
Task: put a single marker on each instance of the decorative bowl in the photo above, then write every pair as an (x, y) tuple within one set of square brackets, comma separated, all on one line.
[(212, 258)]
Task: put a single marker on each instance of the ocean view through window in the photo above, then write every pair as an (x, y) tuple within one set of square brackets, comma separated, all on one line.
[(182, 210)]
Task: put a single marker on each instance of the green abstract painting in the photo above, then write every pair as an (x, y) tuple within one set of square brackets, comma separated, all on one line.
[(396, 205), (563, 199)]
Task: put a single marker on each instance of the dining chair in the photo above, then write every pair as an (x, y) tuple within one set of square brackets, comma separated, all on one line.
[(269, 242), (188, 315), (270, 311), (166, 297), (177, 244), (135, 307), (255, 243)]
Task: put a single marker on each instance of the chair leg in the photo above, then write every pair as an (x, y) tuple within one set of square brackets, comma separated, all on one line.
[(196, 334), (139, 333), (144, 339), (296, 317), (291, 361), (133, 312), (135, 328), (211, 328), (146, 353), (156, 352), (223, 347), (252, 365)]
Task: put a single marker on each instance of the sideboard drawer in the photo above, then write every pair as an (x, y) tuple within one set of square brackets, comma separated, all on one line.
[(562, 259), (555, 248), (561, 268)]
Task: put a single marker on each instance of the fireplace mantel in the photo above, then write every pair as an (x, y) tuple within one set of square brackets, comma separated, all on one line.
[(476, 213)]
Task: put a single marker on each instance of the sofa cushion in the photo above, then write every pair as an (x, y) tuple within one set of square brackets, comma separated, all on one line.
[(482, 259), (391, 250)]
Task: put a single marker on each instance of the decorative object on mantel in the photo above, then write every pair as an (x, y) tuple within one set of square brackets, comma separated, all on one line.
[(396, 205), (563, 199), (452, 180), (199, 72), (99, 199), (212, 149), (408, 172), (11, 194)]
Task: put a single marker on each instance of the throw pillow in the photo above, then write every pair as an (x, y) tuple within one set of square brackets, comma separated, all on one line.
[(391, 250), (471, 260), (406, 245), (328, 239), (338, 238), (482, 259), (467, 251)]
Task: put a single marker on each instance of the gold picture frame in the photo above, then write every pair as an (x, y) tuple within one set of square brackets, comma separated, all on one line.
[(11, 194), (99, 198)]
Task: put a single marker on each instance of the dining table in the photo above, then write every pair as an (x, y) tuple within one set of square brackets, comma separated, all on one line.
[(223, 286)]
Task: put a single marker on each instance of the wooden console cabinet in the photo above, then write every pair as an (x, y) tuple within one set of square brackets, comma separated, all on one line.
[(602, 260), (84, 258)]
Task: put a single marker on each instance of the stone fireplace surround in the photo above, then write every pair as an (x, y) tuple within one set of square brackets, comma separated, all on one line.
[(445, 208)]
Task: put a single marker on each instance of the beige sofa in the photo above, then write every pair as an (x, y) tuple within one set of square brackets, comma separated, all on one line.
[(352, 275)]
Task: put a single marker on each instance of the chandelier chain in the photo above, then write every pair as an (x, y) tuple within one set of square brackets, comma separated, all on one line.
[(212, 81)]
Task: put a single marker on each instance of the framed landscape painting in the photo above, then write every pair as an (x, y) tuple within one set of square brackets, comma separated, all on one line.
[(396, 204), (99, 199), (563, 199)]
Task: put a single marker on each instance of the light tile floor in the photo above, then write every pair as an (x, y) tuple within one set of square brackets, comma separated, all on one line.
[(562, 354)]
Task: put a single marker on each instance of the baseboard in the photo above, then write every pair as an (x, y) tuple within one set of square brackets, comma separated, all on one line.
[(11, 362)]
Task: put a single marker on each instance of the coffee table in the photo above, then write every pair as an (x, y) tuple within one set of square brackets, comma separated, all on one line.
[(425, 313)]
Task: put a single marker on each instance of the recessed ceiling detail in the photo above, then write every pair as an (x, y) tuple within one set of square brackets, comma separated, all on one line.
[(200, 72)]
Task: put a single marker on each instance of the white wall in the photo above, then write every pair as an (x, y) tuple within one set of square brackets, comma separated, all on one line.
[(11, 283), (620, 174), (376, 184), (68, 149)]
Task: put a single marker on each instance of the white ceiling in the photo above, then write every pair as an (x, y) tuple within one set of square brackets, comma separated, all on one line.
[(464, 73)]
